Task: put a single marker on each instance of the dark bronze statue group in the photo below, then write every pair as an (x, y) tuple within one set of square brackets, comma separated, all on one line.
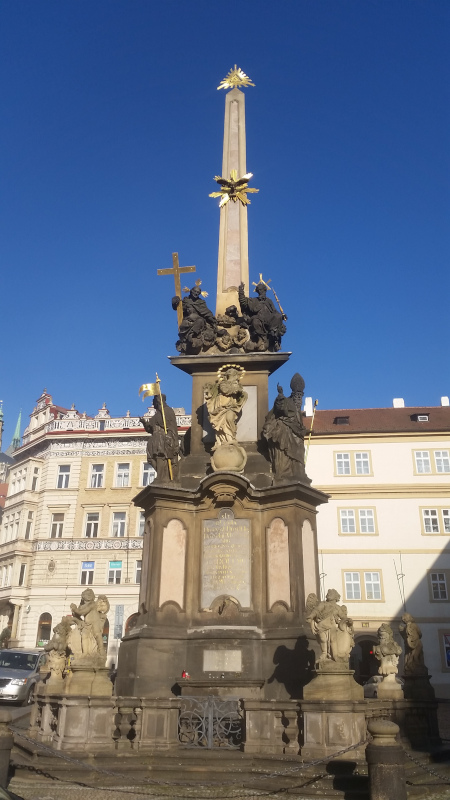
[(257, 327)]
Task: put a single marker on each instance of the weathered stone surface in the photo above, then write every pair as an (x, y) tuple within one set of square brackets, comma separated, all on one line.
[(226, 559)]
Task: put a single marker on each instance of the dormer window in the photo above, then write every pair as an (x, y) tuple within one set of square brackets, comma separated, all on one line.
[(341, 420), (420, 417)]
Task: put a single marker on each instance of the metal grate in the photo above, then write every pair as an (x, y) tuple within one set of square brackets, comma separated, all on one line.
[(210, 722)]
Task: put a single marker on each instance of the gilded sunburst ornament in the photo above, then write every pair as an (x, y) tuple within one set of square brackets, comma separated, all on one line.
[(233, 189), (235, 77)]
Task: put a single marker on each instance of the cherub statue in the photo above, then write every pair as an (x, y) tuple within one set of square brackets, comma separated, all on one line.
[(412, 636), (387, 651), (89, 618), (331, 626), (58, 648)]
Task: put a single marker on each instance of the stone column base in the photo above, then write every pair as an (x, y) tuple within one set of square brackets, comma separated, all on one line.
[(330, 726)]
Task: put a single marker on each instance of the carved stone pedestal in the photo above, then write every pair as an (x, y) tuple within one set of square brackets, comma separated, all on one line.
[(330, 726), (73, 722), (389, 689), (89, 681), (418, 688), (332, 716), (334, 683)]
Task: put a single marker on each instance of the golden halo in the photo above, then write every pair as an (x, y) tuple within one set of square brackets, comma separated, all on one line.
[(231, 366)]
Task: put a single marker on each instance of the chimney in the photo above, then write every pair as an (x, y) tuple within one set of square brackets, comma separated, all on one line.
[(398, 402), (308, 407), (445, 401)]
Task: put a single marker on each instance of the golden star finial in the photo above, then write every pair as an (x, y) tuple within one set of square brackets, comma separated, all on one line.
[(235, 77), (233, 189)]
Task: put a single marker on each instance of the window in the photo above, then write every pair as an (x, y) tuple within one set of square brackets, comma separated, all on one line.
[(5, 528), (119, 522), (438, 582), (362, 585), (15, 531), (362, 463), (442, 460), (141, 523), (29, 524), (115, 572), (148, 474), (430, 520), (436, 520), (18, 480), (343, 463), (352, 586), (22, 574), (97, 471), (137, 578), (354, 463), (357, 520), (44, 631), (91, 530), (372, 585), (347, 521), (445, 650), (423, 463), (87, 573), (35, 479), (123, 475), (366, 520), (63, 476), (57, 526)]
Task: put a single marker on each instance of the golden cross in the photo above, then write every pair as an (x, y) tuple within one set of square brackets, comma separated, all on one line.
[(176, 272)]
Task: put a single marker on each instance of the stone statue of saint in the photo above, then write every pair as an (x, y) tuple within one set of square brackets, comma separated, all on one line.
[(224, 400), (265, 322), (284, 433), (198, 328), (86, 641), (163, 446), (332, 628), (412, 636), (387, 651)]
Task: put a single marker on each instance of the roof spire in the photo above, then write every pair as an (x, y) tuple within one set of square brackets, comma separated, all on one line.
[(15, 443)]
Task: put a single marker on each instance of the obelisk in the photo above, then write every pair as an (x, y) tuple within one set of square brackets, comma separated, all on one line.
[(233, 231)]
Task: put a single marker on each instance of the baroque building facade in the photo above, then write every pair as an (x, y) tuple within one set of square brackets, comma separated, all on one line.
[(384, 536), (69, 520)]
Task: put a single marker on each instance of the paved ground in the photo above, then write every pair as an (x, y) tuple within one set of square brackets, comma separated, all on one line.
[(222, 782)]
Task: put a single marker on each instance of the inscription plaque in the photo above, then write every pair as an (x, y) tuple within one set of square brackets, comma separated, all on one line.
[(226, 558), (222, 661)]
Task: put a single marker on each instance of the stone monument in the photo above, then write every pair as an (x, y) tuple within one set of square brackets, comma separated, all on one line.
[(387, 652), (416, 675), (230, 550), (331, 715), (73, 706)]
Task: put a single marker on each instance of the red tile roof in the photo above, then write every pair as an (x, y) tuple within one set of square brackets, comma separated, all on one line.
[(381, 420)]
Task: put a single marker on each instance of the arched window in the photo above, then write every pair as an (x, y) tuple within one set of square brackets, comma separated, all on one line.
[(130, 623), (44, 631), (105, 634)]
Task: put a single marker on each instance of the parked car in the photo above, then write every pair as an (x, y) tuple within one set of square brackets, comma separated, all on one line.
[(19, 674), (371, 686)]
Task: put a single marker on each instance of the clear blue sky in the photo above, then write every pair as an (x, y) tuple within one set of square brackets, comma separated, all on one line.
[(111, 134)]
